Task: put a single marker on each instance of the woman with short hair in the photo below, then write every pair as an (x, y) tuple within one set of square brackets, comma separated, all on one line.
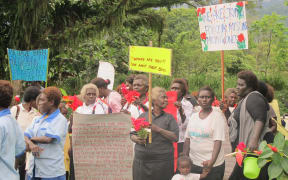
[(184, 109), (230, 102), (109, 97), (140, 105), (24, 113), (91, 105), (45, 138), (155, 161), (12, 142), (204, 136), (250, 120)]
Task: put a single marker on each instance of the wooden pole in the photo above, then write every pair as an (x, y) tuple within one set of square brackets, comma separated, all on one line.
[(222, 69), (222, 73), (150, 100)]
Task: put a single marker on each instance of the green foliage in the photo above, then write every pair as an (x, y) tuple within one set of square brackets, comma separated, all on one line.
[(278, 156), (82, 33)]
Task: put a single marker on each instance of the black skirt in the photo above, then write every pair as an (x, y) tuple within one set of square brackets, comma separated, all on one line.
[(153, 167)]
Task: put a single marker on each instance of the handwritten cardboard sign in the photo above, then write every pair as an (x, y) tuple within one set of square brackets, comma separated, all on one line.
[(106, 71), (28, 65), (150, 59), (102, 148), (223, 27)]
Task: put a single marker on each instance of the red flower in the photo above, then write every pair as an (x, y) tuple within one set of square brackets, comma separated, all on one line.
[(241, 146), (203, 11), (17, 98), (131, 96), (139, 123), (274, 149), (241, 37), (239, 158), (124, 89), (198, 11), (203, 36), (72, 101), (258, 152), (240, 4)]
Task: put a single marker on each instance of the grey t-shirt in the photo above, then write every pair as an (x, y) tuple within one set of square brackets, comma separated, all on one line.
[(160, 144)]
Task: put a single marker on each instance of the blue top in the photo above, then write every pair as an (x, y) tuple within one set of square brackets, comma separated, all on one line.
[(12, 144), (50, 163)]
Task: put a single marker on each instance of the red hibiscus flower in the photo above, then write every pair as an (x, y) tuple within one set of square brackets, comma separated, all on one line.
[(241, 146), (17, 98), (274, 149), (124, 89), (139, 123), (241, 37), (239, 158), (131, 96), (203, 11), (240, 4), (72, 101), (198, 11), (203, 36), (258, 152)]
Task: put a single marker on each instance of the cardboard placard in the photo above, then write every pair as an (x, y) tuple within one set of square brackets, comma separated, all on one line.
[(150, 59), (223, 27), (29, 65), (102, 148)]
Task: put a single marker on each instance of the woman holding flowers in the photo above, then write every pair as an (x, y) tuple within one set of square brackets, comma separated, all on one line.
[(137, 100), (204, 136), (155, 161)]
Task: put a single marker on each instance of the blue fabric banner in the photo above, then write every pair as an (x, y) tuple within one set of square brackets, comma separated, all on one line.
[(28, 65)]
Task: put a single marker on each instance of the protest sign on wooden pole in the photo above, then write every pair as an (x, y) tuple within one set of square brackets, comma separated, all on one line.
[(150, 100), (222, 69), (29, 65), (223, 27), (150, 60)]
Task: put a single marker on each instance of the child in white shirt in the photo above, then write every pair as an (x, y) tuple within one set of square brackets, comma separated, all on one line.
[(184, 166)]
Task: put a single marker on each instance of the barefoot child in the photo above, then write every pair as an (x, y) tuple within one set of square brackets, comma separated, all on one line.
[(184, 166)]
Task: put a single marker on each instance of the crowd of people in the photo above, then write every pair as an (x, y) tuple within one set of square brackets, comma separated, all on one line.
[(33, 134)]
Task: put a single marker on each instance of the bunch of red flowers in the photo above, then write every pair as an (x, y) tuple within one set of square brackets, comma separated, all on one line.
[(124, 89), (140, 126), (132, 96)]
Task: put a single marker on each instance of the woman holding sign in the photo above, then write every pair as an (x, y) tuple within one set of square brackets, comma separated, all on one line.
[(155, 161)]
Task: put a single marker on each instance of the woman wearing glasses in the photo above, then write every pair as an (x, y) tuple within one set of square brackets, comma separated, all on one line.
[(204, 136), (91, 105)]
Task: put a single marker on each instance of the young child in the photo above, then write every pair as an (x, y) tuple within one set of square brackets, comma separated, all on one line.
[(184, 166)]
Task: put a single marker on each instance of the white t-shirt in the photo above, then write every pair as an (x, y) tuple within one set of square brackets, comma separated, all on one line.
[(100, 108), (135, 111), (202, 134), (188, 111), (25, 117), (189, 176)]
